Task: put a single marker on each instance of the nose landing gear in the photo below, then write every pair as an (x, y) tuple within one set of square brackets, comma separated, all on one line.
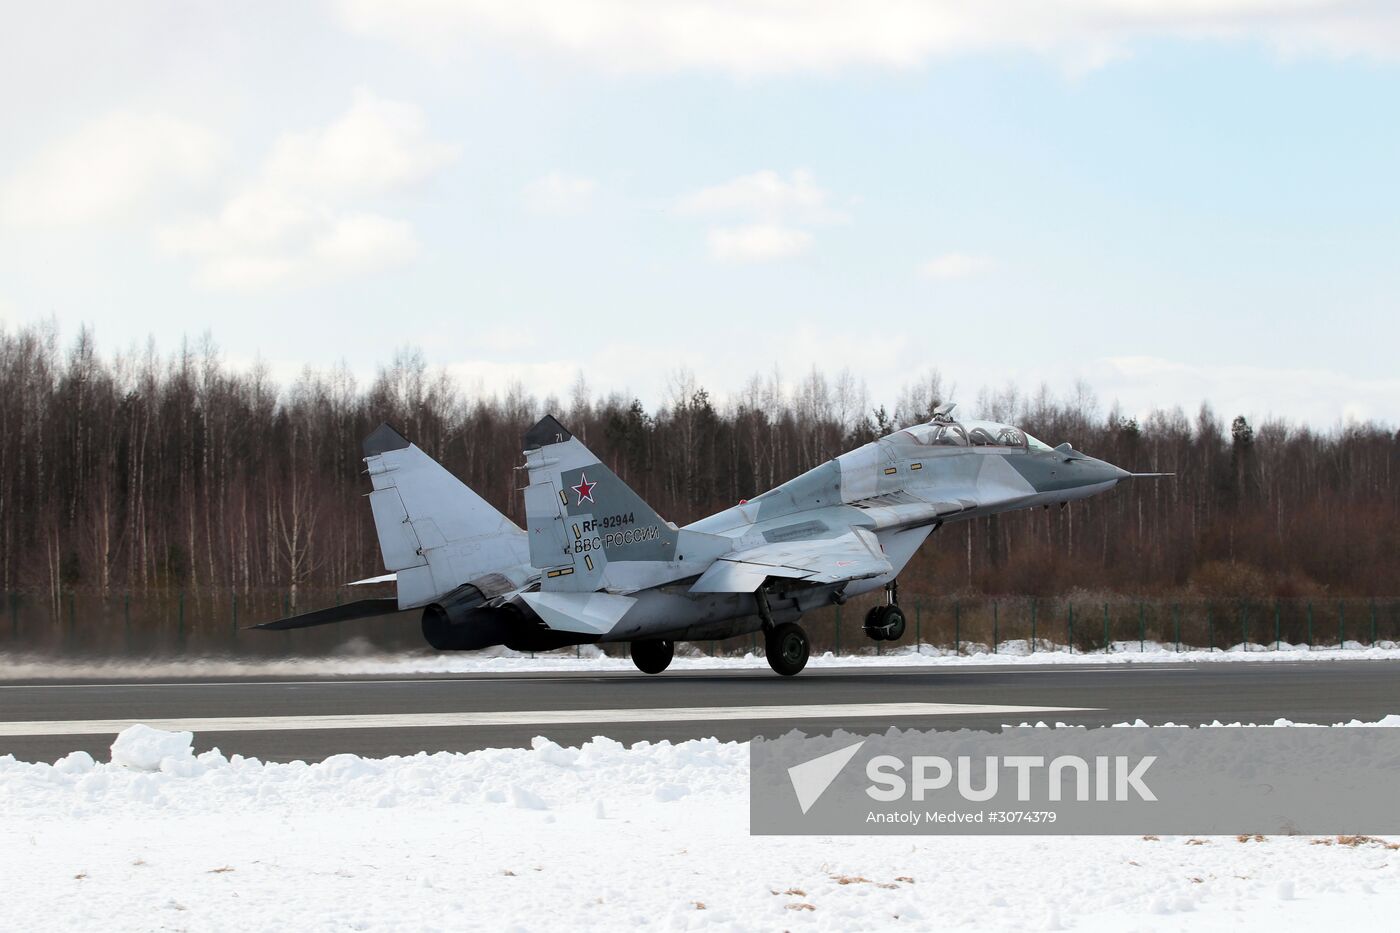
[(886, 623)]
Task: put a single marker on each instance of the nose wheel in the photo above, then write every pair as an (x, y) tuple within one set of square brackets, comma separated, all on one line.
[(886, 623)]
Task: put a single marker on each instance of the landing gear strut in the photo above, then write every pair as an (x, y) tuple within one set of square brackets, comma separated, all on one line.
[(653, 655), (886, 623)]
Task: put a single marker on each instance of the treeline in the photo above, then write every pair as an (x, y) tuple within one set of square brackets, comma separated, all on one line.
[(142, 472)]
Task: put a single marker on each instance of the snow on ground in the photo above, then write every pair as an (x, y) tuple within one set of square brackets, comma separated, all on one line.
[(598, 837), (588, 658)]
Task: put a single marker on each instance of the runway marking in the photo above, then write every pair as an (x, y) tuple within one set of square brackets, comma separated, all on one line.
[(333, 679), (544, 717)]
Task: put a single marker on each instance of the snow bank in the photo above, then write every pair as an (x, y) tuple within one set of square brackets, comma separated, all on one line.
[(1013, 652), (601, 836), (142, 748)]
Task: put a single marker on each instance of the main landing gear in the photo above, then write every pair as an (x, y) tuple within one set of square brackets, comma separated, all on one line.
[(886, 623), (653, 655), (785, 646)]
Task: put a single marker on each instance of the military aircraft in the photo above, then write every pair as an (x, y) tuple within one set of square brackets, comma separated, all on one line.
[(596, 564)]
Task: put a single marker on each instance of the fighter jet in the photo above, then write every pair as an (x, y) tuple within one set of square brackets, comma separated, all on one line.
[(596, 564)]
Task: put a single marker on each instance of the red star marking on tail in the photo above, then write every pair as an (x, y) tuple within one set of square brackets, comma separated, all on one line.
[(584, 489)]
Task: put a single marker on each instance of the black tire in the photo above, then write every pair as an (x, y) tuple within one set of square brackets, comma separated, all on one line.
[(885, 623), (653, 655), (787, 648), (873, 624)]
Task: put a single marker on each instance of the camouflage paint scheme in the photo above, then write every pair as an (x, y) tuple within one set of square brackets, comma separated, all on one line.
[(596, 564)]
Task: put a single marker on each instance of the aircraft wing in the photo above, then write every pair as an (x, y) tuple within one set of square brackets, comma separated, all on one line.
[(855, 555)]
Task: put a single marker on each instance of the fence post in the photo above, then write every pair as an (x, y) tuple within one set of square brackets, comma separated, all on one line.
[(1244, 625), (1341, 625), (235, 613), (1107, 645), (14, 616), (838, 631), (1142, 628), (1277, 626), (1210, 628), (1032, 625), (182, 618), (994, 626), (1176, 617), (1069, 629), (126, 622), (1310, 625), (957, 626), (1373, 622), (919, 627)]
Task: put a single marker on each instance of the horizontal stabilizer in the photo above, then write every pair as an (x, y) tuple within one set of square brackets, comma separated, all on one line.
[(382, 578), (360, 609)]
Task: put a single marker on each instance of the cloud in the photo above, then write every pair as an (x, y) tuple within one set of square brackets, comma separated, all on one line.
[(557, 193), (757, 243), (378, 145), (298, 219), (761, 37), (773, 211), (956, 266), (113, 168), (767, 195)]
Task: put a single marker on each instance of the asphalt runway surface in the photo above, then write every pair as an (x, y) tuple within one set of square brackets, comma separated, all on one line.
[(310, 718)]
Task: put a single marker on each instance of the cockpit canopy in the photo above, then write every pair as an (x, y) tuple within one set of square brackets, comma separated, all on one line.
[(948, 433)]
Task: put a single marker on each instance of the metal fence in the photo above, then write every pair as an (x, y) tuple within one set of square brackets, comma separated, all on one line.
[(213, 622)]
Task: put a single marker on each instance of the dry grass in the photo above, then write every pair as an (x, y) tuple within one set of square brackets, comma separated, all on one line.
[(699, 905), (1151, 838), (905, 878), (850, 879), (219, 871), (799, 907), (1246, 837), (1354, 841), (1198, 842)]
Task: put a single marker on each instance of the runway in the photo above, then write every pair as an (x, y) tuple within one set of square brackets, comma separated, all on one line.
[(312, 718)]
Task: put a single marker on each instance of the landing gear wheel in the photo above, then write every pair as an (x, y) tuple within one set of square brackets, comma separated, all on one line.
[(885, 623), (787, 648), (653, 655)]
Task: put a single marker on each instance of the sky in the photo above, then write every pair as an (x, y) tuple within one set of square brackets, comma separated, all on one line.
[(1171, 200)]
